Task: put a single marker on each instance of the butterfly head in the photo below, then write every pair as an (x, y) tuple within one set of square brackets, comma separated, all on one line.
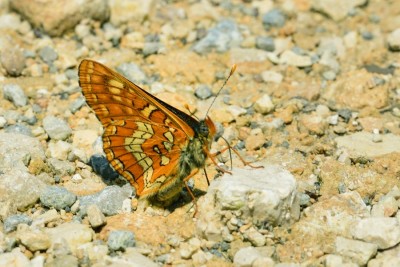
[(206, 129)]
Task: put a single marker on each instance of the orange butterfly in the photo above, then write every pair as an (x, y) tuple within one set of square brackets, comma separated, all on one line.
[(155, 146)]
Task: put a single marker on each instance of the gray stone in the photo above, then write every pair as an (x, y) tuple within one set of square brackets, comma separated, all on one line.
[(273, 18), (203, 91), (61, 167), (151, 48), (15, 94), (221, 38), (265, 43), (18, 129), (120, 240), (382, 231), (361, 144), (11, 222), (56, 128), (48, 54), (14, 196), (109, 200), (57, 197), (133, 72), (354, 250)]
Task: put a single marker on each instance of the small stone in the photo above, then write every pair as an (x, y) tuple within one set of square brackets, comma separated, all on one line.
[(255, 238), (314, 124), (133, 72), (355, 251), (61, 167), (59, 149), (120, 240), (273, 18), (383, 231), (221, 38), (56, 128), (333, 120), (48, 54), (151, 48), (102, 167), (288, 57), (109, 200), (271, 76), (15, 94), (265, 43), (49, 216), (11, 222), (57, 197), (18, 129), (203, 92), (386, 207), (264, 104), (13, 60), (95, 216), (245, 257), (34, 240)]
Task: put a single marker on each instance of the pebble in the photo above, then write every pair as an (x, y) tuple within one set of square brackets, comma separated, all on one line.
[(13, 257), (203, 92), (151, 48), (18, 129), (48, 54), (15, 94), (34, 240), (264, 104), (96, 217), (61, 167), (255, 238), (11, 222), (109, 200), (273, 18), (290, 58), (265, 43), (56, 128), (73, 234), (120, 240), (221, 38), (245, 257), (133, 72), (102, 167), (57, 197), (393, 40), (355, 251), (382, 231), (271, 76), (59, 149), (13, 60), (49, 216)]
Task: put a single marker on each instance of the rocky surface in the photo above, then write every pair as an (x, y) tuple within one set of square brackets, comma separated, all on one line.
[(314, 100)]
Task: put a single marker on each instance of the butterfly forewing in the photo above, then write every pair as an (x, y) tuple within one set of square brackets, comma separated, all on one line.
[(146, 140)]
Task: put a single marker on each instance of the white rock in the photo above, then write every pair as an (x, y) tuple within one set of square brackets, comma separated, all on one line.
[(354, 250), (361, 144), (383, 231), (264, 104), (74, 234), (394, 40), (14, 258), (246, 256), (386, 207), (59, 149), (271, 76), (260, 195), (292, 59)]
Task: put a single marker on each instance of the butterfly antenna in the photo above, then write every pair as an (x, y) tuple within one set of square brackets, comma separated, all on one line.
[(222, 87)]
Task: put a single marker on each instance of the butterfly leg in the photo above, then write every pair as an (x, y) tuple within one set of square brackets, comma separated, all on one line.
[(193, 173), (246, 163)]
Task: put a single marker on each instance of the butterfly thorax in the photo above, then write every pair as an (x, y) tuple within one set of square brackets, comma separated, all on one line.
[(193, 156)]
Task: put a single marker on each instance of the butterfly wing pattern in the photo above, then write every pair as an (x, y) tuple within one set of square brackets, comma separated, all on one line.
[(152, 144)]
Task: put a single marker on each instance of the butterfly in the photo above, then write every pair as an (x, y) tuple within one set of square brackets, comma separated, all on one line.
[(152, 144)]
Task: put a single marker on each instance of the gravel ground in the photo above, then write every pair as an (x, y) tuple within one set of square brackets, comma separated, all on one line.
[(314, 100)]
